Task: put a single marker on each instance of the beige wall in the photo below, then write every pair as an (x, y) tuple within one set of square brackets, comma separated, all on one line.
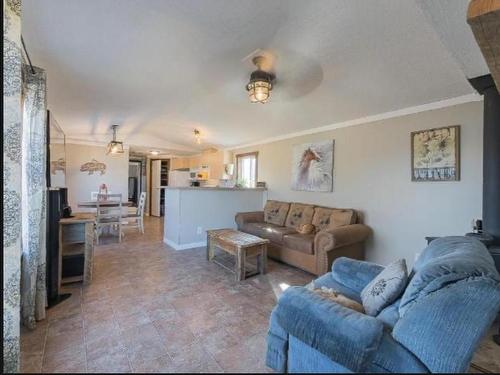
[(372, 174), (81, 184)]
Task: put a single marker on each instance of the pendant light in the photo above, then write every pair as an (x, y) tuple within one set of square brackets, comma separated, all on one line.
[(261, 83), (114, 147), (197, 136)]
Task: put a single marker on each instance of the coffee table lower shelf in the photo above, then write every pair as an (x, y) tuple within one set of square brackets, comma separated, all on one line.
[(241, 247), (229, 263)]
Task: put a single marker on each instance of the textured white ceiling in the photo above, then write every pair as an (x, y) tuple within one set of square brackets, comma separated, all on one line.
[(447, 17), (161, 68)]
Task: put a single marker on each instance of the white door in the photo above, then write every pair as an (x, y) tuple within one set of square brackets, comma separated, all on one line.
[(155, 201), (156, 173)]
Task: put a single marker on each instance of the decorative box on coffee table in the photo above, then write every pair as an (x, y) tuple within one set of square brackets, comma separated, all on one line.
[(240, 245)]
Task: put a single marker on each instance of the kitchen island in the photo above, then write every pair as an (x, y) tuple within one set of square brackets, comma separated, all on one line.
[(191, 211)]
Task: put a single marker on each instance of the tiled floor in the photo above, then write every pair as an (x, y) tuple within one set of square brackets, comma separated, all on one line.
[(153, 309)]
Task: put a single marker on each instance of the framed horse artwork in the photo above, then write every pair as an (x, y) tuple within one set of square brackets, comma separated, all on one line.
[(312, 166)]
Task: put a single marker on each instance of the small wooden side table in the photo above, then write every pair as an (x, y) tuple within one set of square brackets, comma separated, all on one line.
[(242, 246), (76, 248)]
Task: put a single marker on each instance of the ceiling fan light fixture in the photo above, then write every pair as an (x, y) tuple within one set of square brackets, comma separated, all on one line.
[(261, 83), (114, 147)]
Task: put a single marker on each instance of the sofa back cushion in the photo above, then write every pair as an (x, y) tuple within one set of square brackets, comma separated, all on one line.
[(299, 214), (275, 212), (445, 261), (322, 217), (331, 218), (341, 217)]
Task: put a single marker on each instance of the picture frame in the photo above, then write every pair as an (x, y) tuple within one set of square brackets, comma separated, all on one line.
[(312, 166), (435, 154)]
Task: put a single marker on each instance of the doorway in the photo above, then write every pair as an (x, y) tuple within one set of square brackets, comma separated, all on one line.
[(134, 181)]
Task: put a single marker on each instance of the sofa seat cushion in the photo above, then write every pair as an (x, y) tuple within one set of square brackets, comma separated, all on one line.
[(390, 315), (275, 212), (271, 232), (300, 242), (299, 214)]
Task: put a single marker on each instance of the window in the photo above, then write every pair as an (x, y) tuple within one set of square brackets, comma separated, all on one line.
[(246, 169)]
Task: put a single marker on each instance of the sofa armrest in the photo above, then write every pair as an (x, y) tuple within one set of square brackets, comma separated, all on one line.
[(343, 335), (354, 274), (327, 241), (242, 218)]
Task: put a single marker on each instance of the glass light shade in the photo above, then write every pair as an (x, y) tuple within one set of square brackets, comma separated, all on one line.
[(260, 86), (259, 91), (114, 148)]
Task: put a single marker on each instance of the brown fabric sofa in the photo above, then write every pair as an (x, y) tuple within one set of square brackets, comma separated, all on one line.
[(337, 234)]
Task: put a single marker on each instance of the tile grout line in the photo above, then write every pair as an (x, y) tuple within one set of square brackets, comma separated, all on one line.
[(44, 345), (125, 348), (128, 268), (83, 331)]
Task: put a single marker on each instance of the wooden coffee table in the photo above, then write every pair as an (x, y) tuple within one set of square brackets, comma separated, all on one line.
[(242, 246)]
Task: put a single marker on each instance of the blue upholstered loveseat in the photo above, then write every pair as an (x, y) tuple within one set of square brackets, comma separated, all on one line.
[(452, 297)]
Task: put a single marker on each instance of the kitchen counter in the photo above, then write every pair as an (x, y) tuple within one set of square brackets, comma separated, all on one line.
[(209, 188), (191, 211)]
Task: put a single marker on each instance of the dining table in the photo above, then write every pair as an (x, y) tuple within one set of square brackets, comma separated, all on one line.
[(110, 203)]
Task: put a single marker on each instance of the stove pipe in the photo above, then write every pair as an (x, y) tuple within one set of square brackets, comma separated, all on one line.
[(491, 155)]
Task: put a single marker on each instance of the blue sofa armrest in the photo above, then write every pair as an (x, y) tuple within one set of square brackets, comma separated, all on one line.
[(344, 335), (354, 274)]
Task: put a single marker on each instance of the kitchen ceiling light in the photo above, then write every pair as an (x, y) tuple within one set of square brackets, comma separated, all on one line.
[(114, 147), (261, 83), (154, 152), (197, 136)]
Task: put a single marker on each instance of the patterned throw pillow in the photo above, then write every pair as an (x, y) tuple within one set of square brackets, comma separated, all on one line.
[(322, 217), (299, 214), (275, 212), (385, 288), (341, 217)]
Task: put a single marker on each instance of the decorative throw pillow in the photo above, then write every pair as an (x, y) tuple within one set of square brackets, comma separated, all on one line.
[(333, 295), (299, 214), (385, 288), (341, 217), (322, 217), (306, 229), (275, 212)]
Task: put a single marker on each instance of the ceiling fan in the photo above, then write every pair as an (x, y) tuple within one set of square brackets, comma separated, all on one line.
[(298, 75), (261, 82)]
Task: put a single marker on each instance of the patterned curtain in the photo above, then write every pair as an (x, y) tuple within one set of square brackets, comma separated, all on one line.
[(12, 139), (33, 269)]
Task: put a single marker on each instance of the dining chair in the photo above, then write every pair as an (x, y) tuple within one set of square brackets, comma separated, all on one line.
[(138, 216), (108, 216)]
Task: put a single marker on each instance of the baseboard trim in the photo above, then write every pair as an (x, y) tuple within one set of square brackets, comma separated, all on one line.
[(185, 246)]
